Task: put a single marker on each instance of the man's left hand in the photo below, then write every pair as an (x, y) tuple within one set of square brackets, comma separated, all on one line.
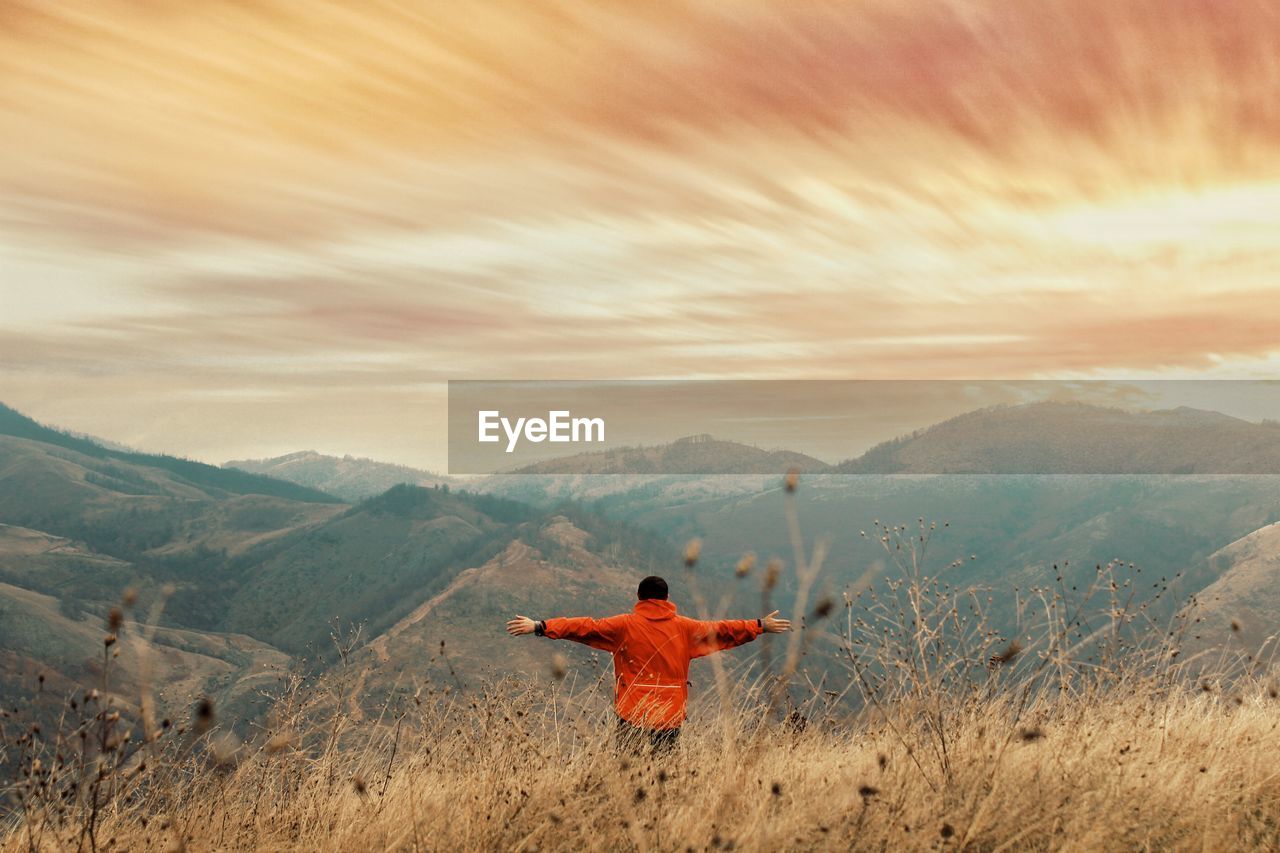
[(773, 625)]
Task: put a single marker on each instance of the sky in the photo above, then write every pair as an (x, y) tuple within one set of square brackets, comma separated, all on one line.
[(238, 229)]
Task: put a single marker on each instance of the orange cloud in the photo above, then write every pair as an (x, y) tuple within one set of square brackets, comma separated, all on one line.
[(270, 198)]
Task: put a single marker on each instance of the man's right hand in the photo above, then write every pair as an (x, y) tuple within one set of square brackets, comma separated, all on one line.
[(773, 625), (521, 625)]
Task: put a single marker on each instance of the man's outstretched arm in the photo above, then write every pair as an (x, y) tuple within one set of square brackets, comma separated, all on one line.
[(597, 633), (711, 637)]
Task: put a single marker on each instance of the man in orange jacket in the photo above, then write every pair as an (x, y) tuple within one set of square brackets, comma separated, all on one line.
[(652, 647)]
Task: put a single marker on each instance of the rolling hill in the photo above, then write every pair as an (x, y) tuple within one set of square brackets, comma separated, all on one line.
[(370, 564), (206, 478), (253, 584), (1075, 438), (1242, 606), (259, 580), (348, 477), (555, 567), (695, 454)]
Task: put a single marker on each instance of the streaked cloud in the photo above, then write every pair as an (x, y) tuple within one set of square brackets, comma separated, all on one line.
[(268, 207)]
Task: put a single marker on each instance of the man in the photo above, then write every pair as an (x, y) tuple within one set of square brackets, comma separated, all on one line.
[(652, 647)]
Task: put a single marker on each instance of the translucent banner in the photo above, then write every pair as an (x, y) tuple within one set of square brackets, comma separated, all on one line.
[(865, 427)]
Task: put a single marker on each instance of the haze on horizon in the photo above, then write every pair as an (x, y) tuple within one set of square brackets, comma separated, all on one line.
[(234, 230)]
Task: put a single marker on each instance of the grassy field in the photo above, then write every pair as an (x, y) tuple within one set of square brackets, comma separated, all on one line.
[(1091, 729), (1127, 769)]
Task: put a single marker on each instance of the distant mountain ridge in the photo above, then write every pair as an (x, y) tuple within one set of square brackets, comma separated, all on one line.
[(1078, 438), (1032, 438), (14, 423), (348, 477), (695, 454)]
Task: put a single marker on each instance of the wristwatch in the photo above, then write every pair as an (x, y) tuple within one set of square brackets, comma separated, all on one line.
[(540, 628)]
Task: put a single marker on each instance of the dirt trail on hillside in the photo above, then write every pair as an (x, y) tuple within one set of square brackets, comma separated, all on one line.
[(516, 552)]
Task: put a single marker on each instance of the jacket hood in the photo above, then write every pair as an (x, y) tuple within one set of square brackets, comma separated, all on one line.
[(654, 608)]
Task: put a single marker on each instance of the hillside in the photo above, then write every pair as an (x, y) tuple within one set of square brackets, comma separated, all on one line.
[(207, 478), (370, 564), (253, 584), (347, 477), (1241, 607), (125, 508), (49, 648), (554, 567), (135, 524), (416, 566), (549, 490), (1075, 438), (1006, 531), (698, 454)]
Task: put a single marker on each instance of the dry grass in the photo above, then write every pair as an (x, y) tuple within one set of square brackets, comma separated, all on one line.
[(1082, 731), (1124, 771)]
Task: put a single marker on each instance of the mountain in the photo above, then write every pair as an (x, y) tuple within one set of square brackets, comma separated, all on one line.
[(350, 478), (1241, 607), (252, 583), (142, 525), (1007, 532), (600, 490), (198, 475), (559, 565), (249, 585), (1075, 438), (695, 454), (370, 564), (54, 594)]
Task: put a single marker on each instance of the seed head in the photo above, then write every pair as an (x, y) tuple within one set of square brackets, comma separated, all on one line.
[(692, 551), (792, 480), (559, 666), (204, 715), (1010, 652), (280, 741), (771, 573), (745, 565), (225, 748)]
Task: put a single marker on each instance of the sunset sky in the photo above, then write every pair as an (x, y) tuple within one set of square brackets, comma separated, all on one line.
[(238, 229)]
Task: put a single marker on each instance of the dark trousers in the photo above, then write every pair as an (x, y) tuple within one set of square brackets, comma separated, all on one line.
[(637, 739)]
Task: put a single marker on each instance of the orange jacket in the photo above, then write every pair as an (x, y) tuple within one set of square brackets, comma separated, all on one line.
[(652, 647)]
